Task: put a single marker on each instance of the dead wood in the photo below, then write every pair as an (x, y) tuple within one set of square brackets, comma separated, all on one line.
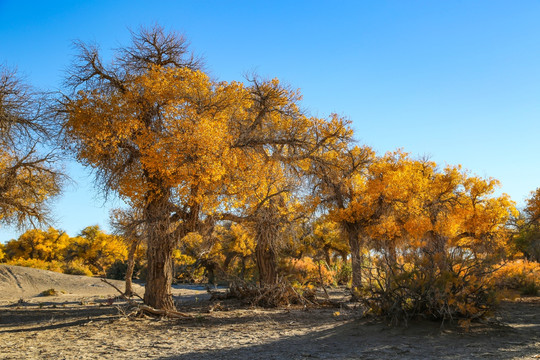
[(278, 295), (141, 309), (167, 313), (122, 295)]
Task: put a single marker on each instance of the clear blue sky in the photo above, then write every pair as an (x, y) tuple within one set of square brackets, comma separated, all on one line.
[(456, 80)]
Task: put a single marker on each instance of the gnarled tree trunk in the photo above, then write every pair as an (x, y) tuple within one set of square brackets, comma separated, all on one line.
[(159, 276), (160, 250), (266, 236), (266, 261)]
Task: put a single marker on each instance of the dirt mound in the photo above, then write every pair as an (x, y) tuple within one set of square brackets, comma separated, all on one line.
[(22, 282)]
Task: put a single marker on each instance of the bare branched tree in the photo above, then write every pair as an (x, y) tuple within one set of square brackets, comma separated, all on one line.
[(30, 174)]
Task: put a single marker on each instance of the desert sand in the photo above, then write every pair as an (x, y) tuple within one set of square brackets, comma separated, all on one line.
[(85, 320)]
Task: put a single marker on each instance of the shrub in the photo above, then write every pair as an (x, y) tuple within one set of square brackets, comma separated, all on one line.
[(434, 286), (49, 292), (2, 253), (519, 275), (343, 272), (307, 271), (531, 289), (118, 270), (96, 249), (281, 294), (38, 244), (77, 268)]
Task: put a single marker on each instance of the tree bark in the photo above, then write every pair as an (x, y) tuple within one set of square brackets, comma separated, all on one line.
[(159, 277), (228, 259), (160, 250), (326, 252), (355, 243), (266, 236), (266, 262)]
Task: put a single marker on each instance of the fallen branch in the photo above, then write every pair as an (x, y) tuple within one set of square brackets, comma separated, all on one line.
[(277, 295), (122, 295)]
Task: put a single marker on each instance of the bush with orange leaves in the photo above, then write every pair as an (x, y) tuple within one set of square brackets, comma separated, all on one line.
[(521, 275), (431, 240), (2, 253), (306, 271)]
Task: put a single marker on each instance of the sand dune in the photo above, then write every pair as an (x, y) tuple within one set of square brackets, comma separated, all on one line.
[(18, 282)]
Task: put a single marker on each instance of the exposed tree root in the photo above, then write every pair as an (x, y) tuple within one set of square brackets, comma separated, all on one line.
[(168, 313), (139, 310)]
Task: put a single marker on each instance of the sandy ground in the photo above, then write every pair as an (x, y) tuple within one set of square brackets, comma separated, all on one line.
[(85, 322)]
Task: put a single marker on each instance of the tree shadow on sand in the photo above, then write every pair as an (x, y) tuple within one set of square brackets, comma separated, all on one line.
[(518, 336), (44, 316)]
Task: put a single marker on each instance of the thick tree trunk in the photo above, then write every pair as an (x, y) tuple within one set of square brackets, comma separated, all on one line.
[(159, 255), (439, 253), (130, 267), (159, 277), (267, 233), (266, 262), (210, 272), (357, 259)]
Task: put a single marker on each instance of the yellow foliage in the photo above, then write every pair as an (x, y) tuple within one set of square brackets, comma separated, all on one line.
[(188, 147), (77, 267), (306, 271), (47, 245), (430, 237), (533, 206), (241, 241), (96, 249), (37, 264), (327, 233), (182, 147), (518, 275)]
